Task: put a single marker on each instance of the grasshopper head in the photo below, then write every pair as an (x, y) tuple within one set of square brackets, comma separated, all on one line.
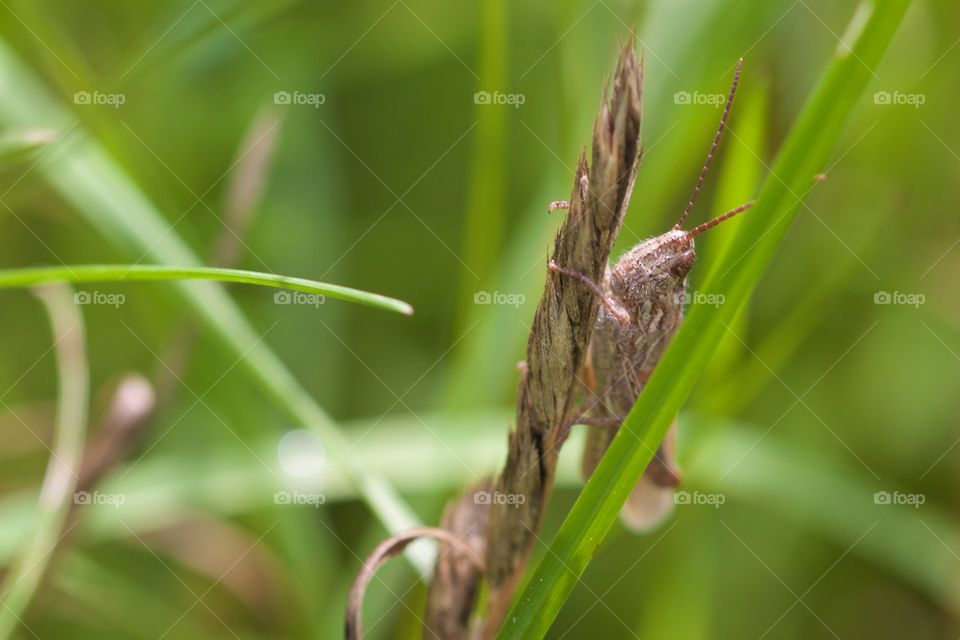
[(655, 271)]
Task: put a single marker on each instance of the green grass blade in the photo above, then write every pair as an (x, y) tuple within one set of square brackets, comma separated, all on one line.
[(803, 154), (59, 484), (139, 272), (483, 226)]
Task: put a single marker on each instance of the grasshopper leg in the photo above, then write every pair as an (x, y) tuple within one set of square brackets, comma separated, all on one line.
[(612, 306)]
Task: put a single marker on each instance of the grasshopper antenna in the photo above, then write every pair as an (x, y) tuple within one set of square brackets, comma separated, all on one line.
[(709, 224), (713, 147)]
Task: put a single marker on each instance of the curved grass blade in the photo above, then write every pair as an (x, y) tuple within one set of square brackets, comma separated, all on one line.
[(804, 153), (141, 273), (57, 493)]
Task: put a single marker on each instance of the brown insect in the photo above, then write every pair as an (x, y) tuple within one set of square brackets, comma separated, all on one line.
[(642, 300)]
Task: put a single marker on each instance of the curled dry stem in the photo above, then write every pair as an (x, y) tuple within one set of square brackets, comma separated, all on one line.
[(383, 552)]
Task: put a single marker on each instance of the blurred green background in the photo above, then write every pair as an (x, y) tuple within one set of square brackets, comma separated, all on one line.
[(826, 425)]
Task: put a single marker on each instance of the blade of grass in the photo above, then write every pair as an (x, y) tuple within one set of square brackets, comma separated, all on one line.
[(143, 273), (803, 154), (88, 178), (59, 483), (484, 217)]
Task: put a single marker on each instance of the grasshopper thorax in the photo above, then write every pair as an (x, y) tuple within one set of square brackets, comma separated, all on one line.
[(654, 271)]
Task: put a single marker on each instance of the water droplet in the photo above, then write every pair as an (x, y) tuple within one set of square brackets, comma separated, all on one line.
[(301, 453)]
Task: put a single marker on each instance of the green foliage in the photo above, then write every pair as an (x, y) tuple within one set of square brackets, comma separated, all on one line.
[(400, 183)]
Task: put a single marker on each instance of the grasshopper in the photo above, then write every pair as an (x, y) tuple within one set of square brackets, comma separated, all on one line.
[(642, 300)]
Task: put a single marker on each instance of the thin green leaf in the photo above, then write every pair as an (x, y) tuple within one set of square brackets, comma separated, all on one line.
[(59, 484), (803, 155), (140, 272)]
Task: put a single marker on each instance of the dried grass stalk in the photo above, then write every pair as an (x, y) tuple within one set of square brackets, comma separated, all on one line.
[(550, 377)]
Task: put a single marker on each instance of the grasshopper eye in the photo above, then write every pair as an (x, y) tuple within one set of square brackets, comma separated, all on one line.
[(681, 265)]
